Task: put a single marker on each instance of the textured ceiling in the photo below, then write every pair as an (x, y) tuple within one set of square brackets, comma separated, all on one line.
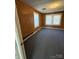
[(46, 6)]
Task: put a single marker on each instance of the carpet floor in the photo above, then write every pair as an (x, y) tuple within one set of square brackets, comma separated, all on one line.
[(45, 44)]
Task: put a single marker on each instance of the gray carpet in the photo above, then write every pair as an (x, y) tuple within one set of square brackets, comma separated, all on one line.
[(45, 44)]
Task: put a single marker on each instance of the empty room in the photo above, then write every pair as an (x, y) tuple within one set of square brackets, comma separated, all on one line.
[(40, 27)]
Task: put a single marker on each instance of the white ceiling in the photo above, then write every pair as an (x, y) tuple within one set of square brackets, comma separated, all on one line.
[(50, 5)]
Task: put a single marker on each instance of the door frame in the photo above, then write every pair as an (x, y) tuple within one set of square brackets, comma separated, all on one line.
[(18, 37)]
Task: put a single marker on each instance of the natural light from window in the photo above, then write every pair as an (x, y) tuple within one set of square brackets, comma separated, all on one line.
[(36, 20), (53, 19)]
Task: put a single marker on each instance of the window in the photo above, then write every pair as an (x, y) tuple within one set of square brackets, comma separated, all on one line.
[(36, 20), (57, 20), (53, 19), (49, 20)]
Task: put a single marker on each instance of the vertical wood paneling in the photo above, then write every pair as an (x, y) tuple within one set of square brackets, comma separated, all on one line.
[(26, 18)]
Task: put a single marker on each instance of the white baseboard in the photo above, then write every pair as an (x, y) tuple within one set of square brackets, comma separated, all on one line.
[(37, 31), (31, 34)]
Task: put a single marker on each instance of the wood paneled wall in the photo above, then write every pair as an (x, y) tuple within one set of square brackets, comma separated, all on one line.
[(42, 18), (62, 22), (26, 18)]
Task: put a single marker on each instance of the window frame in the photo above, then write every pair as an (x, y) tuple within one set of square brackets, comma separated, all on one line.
[(38, 19), (53, 20)]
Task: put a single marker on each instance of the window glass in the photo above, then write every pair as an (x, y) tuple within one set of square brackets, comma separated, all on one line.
[(57, 20), (48, 20), (36, 20), (53, 19)]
